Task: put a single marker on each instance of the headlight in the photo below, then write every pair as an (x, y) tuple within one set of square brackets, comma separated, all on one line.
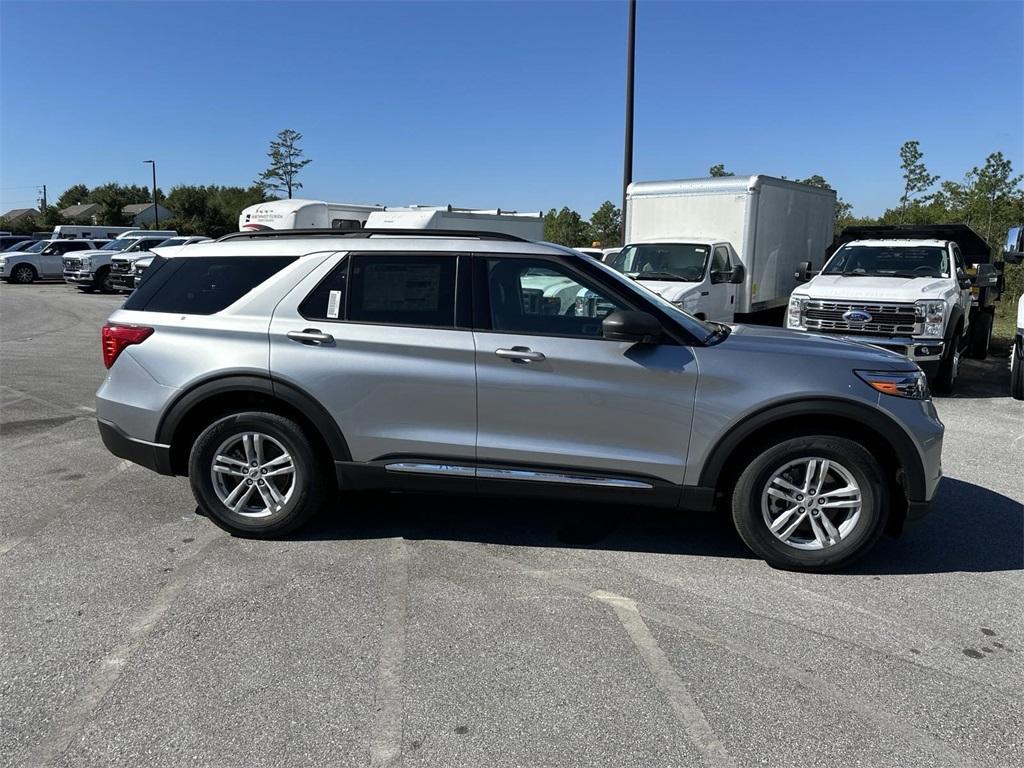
[(795, 316), (931, 313), (910, 384)]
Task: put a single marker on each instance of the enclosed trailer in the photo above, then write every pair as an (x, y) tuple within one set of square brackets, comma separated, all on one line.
[(767, 226), (305, 214), (529, 226)]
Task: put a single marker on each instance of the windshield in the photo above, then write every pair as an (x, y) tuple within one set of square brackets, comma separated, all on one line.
[(37, 247), (118, 245), (21, 246), (663, 261), (171, 241), (890, 261)]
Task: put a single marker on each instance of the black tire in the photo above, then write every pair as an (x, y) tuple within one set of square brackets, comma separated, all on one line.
[(949, 367), (749, 513), (23, 274), (981, 336), (101, 281), (85, 288), (311, 479), (1016, 371)]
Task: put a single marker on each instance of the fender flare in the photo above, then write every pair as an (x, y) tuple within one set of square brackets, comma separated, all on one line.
[(955, 316), (874, 419), (290, 394)]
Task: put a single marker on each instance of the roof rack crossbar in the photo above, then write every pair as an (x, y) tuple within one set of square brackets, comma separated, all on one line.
[(261, 234)]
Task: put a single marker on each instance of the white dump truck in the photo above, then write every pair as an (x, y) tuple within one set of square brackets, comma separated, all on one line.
[(724, 247), (529, 226), (304, 214)]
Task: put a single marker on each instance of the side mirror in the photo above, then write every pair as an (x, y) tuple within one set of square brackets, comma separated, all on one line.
[(630, 325), (738, 274), (1014, 248), (803, 272), (965, 282)]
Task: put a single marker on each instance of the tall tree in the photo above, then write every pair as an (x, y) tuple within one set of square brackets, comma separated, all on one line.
[(916, 178), (76, 194), (566, 227), (719, 170), (815, 181), (606, 225), (114, 197), (995, 185), (286, 160)]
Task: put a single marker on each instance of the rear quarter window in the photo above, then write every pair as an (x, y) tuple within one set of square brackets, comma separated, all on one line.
[(202, 285)]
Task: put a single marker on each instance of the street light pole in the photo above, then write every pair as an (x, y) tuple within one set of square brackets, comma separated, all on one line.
[(627, 163), (156, 208)]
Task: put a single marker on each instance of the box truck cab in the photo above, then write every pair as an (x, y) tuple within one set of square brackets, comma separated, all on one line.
[(304, 214), (529, 226), (724, 247)]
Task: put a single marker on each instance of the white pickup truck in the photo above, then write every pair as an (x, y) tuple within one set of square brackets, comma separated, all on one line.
[(92, 271), (927, 292), (1014, 254)]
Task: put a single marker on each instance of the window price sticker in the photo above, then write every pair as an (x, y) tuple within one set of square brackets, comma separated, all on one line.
[(333, 304)]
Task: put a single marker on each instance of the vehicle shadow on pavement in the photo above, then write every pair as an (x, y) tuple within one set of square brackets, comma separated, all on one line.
[(984, 378), (529, 524), (970, 528)]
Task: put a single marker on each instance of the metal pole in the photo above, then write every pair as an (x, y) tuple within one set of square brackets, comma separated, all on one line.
[(45, 206), (156, 209), (627, 163)]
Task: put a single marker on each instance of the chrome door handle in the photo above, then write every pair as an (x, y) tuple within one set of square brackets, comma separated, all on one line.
[(311, 336), (520, 354)]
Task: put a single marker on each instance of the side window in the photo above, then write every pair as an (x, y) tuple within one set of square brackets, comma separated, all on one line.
[(346, 225), (327, 300), (961, 268), (145, 245), (720, 264), (76, 247), (204, 285), (536, 296), (403, 290)]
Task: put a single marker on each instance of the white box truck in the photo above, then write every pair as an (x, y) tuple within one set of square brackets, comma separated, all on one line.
[(722, 247), (529, 226), (304, 214)]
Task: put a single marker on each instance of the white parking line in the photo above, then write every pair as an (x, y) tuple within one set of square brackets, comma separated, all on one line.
[(387, 728)]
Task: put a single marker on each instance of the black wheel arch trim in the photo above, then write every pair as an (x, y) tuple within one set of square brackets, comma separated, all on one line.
[(287, 392), (874, 419)]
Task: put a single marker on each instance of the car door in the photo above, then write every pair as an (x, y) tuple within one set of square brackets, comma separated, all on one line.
[(553, 393), (373, 338), (721, 299), (51, 260)]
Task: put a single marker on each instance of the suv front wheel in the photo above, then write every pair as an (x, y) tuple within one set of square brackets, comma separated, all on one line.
[(813, 503), (255, 475)]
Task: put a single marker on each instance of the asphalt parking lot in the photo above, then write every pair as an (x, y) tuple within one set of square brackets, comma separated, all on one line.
[(426, 631)]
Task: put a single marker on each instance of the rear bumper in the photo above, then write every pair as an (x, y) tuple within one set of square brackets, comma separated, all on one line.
[(154, 456)]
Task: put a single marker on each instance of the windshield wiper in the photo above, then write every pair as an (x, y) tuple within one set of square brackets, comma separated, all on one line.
[(658, 276)]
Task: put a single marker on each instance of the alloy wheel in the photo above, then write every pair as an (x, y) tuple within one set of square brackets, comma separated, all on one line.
[(253, 475), (811, 503)]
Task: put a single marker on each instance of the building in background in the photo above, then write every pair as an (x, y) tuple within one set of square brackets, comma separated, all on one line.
[(143, 213)]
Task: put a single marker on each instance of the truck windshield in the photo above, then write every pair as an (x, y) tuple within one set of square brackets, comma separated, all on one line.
[(684, 262), (118, 245), (890, 261)]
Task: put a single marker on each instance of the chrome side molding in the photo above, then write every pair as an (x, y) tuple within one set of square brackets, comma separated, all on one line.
[(530, 475)]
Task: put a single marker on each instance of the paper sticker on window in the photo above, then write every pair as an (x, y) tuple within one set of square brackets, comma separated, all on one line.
[(333, 303)]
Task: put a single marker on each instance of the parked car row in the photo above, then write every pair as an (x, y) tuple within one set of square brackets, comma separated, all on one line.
[(89, 264)]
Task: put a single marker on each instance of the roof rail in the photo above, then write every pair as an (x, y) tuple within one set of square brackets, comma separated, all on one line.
[(262, 234)]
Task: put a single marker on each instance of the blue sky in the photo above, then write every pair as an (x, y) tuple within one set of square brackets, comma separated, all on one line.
[(512, 105)]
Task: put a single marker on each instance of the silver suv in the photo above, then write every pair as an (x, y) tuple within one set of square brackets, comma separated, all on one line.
[(275, 367)]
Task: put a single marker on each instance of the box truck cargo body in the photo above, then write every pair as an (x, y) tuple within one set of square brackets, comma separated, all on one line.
[(305, 214), (529, 226), (740, 239)]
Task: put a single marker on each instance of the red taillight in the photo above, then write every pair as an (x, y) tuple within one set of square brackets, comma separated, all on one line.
[(117, 337)]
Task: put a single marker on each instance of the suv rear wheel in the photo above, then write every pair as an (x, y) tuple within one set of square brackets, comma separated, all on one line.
[(256, 475), (813, 503)]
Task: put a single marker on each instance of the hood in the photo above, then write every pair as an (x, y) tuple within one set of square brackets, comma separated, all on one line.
[(761, 338), (872, 288)]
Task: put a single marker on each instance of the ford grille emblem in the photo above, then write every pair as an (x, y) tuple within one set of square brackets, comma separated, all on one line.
[(857, 316)]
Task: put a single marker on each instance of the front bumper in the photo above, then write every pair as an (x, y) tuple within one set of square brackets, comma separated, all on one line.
[(79, 278), (124, 281), (154, 456), (918, 350)]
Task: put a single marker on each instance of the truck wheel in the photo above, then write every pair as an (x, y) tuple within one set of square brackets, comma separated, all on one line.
[(256, 475), (23, 274), (981, 336), (1016, 371), (812, 503), (102, 282), (949, 367)]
